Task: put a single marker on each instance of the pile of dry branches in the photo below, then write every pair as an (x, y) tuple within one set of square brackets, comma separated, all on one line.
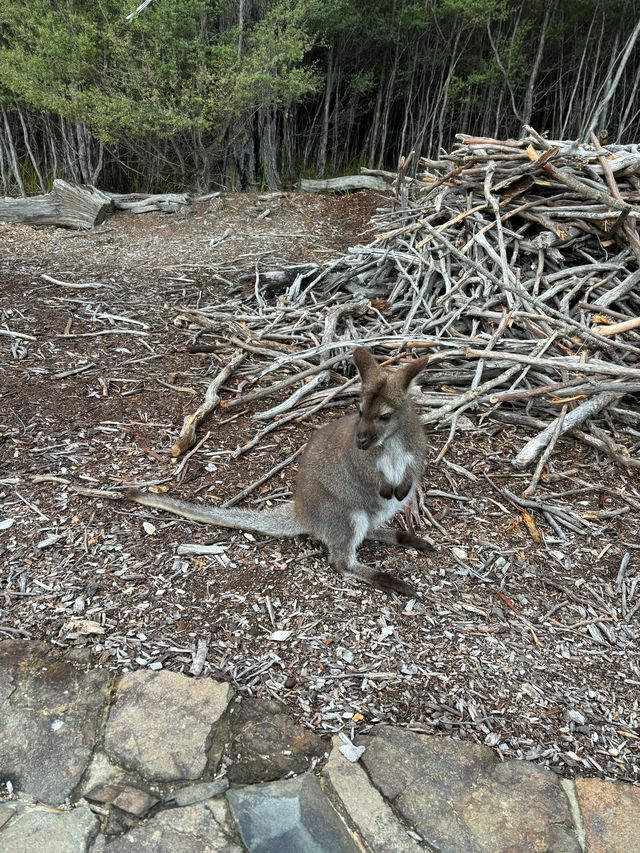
[(514, 263)]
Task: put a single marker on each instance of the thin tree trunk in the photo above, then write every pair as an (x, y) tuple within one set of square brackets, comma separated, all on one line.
[(375, 124), (95, 172), (335, 120), (268, 147), (84, 153), (34, 163), (324, 135), (240, 27), (3, 173), (505, 71), (388, 103), (11, 154), (587, 107), (601, 109), (535, 70), (71, 170), (574, 89), (631, 103), (51, 138), (445, 93)]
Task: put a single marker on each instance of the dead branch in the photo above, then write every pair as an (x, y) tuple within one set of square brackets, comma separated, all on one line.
[(187, 437)]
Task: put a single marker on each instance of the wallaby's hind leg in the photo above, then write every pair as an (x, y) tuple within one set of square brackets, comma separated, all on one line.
[(400, 537), (342, 555), (374, 577)]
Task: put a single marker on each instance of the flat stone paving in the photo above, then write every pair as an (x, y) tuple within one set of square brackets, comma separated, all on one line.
[(160, 762)]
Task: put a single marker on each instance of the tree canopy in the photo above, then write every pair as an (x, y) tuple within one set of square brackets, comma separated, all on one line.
[(246, 93)]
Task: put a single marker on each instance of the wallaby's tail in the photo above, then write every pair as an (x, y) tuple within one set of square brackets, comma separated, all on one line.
[(279, 521)]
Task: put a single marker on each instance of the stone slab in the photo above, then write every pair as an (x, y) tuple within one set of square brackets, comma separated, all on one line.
[(366, 808), (50, 715), (134, 802), (191, 794), (458, 796), (288, 816), (610, 814), (7, 811), (102, 772), (39, 828), (160, 723), (264, 743), (204, 828), (104, 794)]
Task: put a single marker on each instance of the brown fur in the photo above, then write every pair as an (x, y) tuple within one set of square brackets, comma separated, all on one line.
[(355, 474)]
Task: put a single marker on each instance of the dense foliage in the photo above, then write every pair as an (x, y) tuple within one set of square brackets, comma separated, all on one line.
[(249, 93)]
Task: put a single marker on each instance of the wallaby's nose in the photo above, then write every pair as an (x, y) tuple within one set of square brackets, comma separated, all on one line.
[(362, 441)]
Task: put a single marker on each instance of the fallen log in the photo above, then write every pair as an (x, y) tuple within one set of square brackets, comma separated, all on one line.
[(147, 203), (67, 205), (344, 184)]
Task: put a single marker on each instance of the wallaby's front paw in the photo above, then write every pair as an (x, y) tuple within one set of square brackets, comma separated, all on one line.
[(402, 490), (386, 491)]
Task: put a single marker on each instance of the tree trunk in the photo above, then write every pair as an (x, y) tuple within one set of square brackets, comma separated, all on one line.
[(268, 147), (3, 173), (243, 156), (11, 154), (375, 124), (528, 98), (324, 134), (34, 162), (601, 110)]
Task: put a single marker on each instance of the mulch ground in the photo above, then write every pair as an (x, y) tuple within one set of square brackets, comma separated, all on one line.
[(529, 646)]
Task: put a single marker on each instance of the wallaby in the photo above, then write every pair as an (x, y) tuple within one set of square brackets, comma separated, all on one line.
[(354, 475)]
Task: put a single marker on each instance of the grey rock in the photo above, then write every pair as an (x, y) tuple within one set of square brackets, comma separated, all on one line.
[(161, 721), (611, 815), (98, 845), (366, 808), (38, 828), (50, 714), (351, 752), (134, 802), (263, 742), (7, 811), (104, 794), (288, 816), (101, 772), (205, 828), (459, 797), (191, 794)]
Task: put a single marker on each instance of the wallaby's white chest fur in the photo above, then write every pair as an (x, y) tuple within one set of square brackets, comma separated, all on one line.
[(394, 461)]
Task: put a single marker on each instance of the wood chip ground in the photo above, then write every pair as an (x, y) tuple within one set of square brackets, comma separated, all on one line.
[(525, 633)]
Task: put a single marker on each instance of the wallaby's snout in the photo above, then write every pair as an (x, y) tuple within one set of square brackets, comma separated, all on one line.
[(363, 440), (371, 429)]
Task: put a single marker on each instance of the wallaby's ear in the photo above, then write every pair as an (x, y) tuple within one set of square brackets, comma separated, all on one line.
[(409, 372), (365, 362)]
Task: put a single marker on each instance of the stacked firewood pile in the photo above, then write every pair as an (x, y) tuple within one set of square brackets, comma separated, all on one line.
[(514, 264)]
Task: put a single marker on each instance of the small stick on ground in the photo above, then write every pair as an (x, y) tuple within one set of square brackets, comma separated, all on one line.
[(253, 486), (533, 485), (187, 437)]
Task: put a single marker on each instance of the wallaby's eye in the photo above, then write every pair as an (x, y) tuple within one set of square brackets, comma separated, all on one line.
[(386, 417)]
